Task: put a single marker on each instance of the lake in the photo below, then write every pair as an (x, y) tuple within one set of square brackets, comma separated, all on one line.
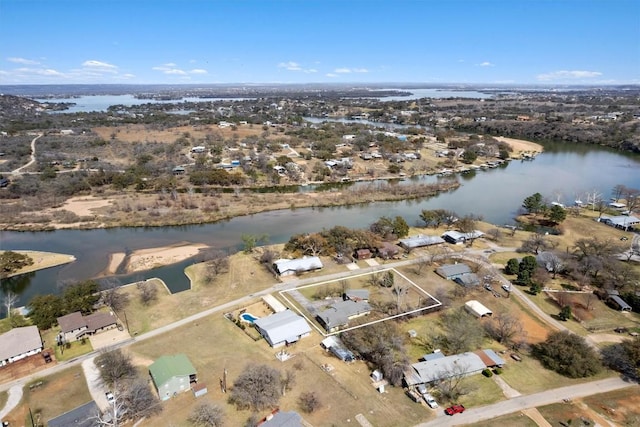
[(564, 173)]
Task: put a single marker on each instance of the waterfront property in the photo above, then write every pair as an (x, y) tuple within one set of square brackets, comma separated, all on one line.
[(75, 326), (419, 241), (623, 222), (283, 328), (19, 343), (287, 267), (172, 374), (456, 237)]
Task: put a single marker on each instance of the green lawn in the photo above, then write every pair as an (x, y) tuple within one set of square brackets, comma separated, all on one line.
[(4, 395), (72, 350), (485, 392)]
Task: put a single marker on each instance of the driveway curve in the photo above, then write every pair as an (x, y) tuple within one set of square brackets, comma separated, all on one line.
[(15, 395)]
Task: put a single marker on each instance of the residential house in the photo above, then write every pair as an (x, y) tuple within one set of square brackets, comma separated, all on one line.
[(285, 327), (419, 241), (287, 267), (363, 254), (282, 419), (75, 326), (456, 237), (172, 374), (83, 416), (19, 343), (338, 314), (452, 271), (387, 250), (624, 222), (436, 366)]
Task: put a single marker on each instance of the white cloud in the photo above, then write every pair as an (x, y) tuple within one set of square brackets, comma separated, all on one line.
[(23, 61), (291, 66), (360, 70), (175, 71), (331, 75), (170, 64), (198, 71), (342, 70), (99, 65), (568, 75), (311, 70), (486, 64)]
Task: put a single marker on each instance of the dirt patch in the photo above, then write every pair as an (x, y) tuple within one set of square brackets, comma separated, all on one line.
[(620, 406), (26, 366), (520, 145), (115, 260), (84, 206)]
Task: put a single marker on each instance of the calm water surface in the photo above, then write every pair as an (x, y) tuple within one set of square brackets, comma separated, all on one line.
[(563, 172)]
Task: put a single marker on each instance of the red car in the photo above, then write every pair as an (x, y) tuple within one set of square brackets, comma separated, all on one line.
[(455, 409)]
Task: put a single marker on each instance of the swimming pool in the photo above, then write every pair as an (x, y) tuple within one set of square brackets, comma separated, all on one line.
[(248, 317)]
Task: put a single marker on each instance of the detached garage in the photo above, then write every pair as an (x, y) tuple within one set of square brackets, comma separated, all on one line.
[(282, 328), (477, 309)]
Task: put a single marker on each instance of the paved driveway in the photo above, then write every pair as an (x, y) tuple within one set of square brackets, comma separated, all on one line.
[(96, 389)]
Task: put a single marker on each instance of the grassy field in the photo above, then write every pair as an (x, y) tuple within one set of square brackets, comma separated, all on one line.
[(4, 395), (56, 395), (484, 392), (511, 420), (566, 413)]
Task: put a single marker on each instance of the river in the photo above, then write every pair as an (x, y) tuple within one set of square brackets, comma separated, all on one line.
[(564, 172)]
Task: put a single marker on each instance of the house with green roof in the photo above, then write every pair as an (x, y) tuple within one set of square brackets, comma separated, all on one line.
[(172, 374)]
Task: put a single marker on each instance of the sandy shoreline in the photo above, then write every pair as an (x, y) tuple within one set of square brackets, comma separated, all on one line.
[(521, 146), (146, 259)]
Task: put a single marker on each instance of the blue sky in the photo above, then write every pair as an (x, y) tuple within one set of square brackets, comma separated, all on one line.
[(303, 41)]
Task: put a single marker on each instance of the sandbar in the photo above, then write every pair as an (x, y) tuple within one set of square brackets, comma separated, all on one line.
[(146, 259), (42, 260)]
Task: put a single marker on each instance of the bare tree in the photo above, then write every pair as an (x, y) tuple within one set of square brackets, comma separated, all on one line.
[(9, 299), (207, 415), (217, 263), (309, 401), (111, 297), (257, 388), (495, 234), (147, 291), (505, 328), (450, 384), (617, 191), (536, 243), (115, 367)]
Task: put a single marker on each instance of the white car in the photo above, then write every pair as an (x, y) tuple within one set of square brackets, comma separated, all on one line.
[(430, 401), (110, 398)]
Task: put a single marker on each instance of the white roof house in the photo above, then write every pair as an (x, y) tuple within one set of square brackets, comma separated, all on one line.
[(286, 267), (420, 240), (456, 237), (285, 327), (621, 221), (19, 343), (477, 309)]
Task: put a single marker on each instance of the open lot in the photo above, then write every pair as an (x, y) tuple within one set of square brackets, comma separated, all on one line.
[(511, 420), (51, 396), (621, 407), (25, 366)]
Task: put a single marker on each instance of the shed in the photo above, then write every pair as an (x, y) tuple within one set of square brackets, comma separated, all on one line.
[(619, 303), (363, 254), (172, 374), (199, 389), (273, 303), (477, 309), (285, 327), (490, 358)]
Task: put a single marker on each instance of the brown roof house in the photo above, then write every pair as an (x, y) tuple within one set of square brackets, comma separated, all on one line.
[(75, 326)]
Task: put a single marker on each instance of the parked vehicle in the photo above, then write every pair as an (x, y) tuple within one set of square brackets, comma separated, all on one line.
[(455, 409), (110, 398), (430, 401)]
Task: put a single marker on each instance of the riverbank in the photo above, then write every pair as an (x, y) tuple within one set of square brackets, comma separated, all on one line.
[(520, 146), (42, 260)]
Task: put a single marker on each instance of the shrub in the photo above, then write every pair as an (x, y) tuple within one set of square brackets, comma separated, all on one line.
[(497, 371), (487, 372)]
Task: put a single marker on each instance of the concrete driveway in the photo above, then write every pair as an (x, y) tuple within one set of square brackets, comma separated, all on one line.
[(96, 389), (108, 338)]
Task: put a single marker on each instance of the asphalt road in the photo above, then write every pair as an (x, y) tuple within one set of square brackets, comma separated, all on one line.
[(519, 403)]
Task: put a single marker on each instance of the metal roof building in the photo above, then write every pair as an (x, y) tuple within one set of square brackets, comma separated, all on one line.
[(477, 309), (172, 374), (285, 327), (451, 271), (82, 416), (622, 304), (420, 241), (338, 314), (440, 368)]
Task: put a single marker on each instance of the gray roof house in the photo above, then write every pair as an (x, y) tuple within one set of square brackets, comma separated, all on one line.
[(452, 271), (420, 241), (19, 343), (439, 368), (282, 419), (74, 325), (456, 237), (285, 327), (338, 314), (619, 303), (286, 267), (82, 416), (621, 221)]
